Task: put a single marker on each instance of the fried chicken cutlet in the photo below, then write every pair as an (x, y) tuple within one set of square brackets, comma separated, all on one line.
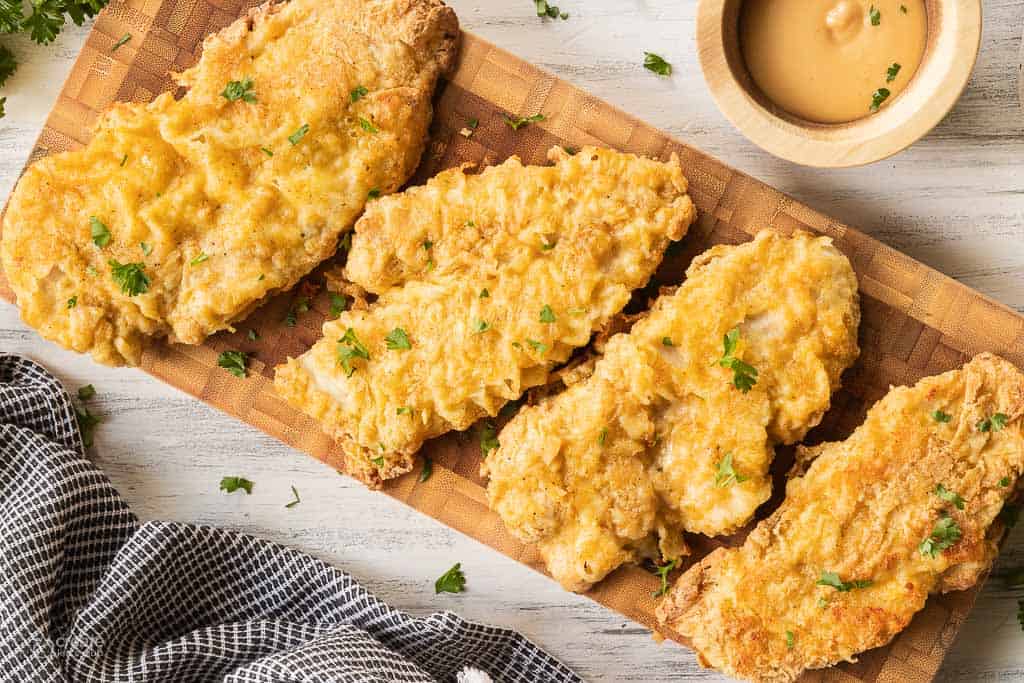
[(674, 430), (906, 507), (484, 283), (182, 215)]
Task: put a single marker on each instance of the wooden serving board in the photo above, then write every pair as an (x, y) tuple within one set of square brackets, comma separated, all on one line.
[(916, 322)]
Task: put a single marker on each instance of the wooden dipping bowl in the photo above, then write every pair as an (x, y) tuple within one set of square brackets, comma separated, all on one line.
[(951, 49)]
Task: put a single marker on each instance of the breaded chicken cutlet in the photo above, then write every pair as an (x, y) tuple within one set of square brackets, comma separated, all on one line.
[(906, 507), (674, 430), (485, 282), (180, 216)]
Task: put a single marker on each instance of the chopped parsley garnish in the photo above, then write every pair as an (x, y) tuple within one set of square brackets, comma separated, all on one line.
[(480, 326), (232, 484), (239, 90), (428, 245), (996, 423), (100, 232), (130, 277), (199, 259), (367, 126), (266, 151), (484, 294), (233, 362), (373, 194), (403, 410), (358, 93), (879, 96), (488, 438), (516, 122), (892, 72), (1004, 482), (547, 315), (657, 64), (603, 436), (86, 425), (452, 581), (252, 335), (397, 340), (428, 469), (744, 376), (667, 341), (662, 570), (300, 305), (548, 246), (121, 42), (379, 460), (349, 348), (473, 123), (725, 474), (146, 249), (940, 416), (300, 133), (296, 500), (73, 301), (944, 535), (949, 496), (544, 9), (875, 15), (832, 580), (539, 347), (124, 160), (86, 392), (339, 304), (571, 151), (790, 640)]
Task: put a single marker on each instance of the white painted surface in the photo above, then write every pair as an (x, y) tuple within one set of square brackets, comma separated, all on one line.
[(955, 201)]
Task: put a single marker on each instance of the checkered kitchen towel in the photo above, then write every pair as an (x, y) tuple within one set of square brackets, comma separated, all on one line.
[(87, 594)]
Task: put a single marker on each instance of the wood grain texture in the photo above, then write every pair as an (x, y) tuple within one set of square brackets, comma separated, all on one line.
[(166, 452)]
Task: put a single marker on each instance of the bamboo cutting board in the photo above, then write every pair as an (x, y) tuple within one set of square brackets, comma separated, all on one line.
[(916, 322)]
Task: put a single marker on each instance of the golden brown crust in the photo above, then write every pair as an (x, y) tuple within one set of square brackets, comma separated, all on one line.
[(866, 509)]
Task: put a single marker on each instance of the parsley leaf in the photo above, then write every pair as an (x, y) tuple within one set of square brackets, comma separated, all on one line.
[(473, 124), (1004, 482), (516, 122), (537, 346), (875, 15), (368, 126), (892, 72), (296, 500), (657, 64), (544, 9), (403, 410), (428, 469), (349, 348), (996, 423), (832, 580), (86, 425), (146, 249), (199, 259), (667, 341), (949, 496), (87, 392), (547, 315), (488, 438), (373, 194), (944, 535), (877, 97), (232, 484), (121, 42), (233, 362), (73, 301), (452, 581), (358, 93), (299, 133), (339, 304), (45, 22), (239, 90), (940, 416), (397, 340), (11, 15), (662, 570), (100, 232), (603, 436), (130, 277), (266, 151), (480, 326), (790, 640), (725, 474), (484, 294), (299, 305), (744, 376)]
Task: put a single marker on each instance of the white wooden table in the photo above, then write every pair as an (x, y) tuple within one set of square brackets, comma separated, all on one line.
[(954, 201)]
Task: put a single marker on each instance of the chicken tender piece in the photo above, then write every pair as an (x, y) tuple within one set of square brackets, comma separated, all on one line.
[(485, 283), (906, 507), (181, 216), (662, 437)]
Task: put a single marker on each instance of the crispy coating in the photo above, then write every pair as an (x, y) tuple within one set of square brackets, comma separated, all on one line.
[(619, 465), (220, 200), (495, 278), (862, 510)]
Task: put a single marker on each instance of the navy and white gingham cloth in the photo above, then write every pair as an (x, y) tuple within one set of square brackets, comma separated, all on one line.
[(88, 594)]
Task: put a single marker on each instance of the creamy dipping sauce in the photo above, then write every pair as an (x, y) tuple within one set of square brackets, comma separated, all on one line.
[(832, 61)]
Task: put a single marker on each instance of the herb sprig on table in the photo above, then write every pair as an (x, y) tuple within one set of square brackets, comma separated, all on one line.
[(42, 20)]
